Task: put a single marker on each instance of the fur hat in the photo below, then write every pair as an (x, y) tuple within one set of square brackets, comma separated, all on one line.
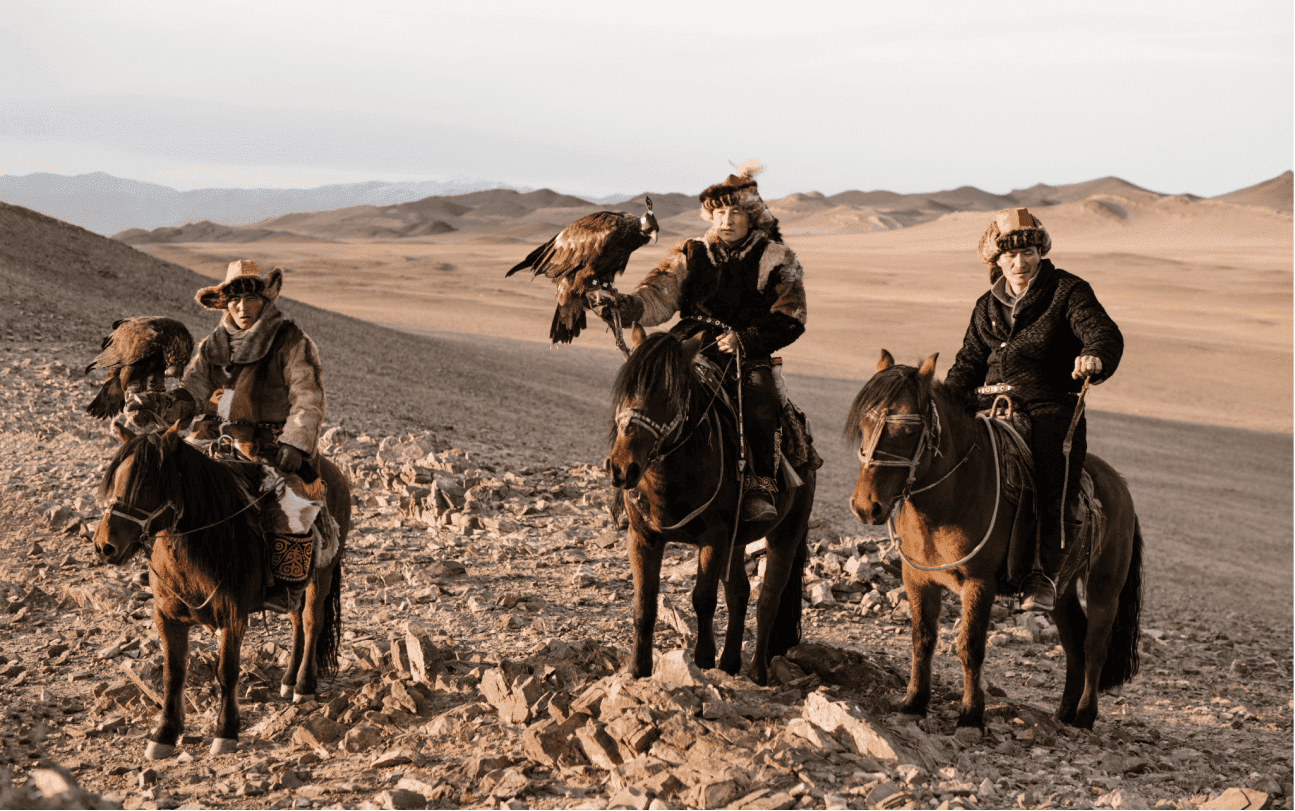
[(740, 190), (1013, 229), (241, 277)]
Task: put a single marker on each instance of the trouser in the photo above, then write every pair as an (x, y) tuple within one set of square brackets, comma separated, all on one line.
[(761, 418), (1047, 434)]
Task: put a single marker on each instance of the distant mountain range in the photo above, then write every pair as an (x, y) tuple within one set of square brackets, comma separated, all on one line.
[(106, 204), (139, 212)]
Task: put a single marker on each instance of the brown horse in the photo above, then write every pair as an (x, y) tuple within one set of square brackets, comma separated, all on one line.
[(675, 459), (198, 520), (927, 460)]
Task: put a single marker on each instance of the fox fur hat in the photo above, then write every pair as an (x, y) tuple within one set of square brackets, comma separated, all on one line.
[(740, 191), (1013, 229), (241, 277)]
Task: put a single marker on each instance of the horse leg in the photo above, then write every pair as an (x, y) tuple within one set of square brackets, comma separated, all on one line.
[(924, 602), (175, 663), (1072, 627), (227, 721), (308, 624), (1102, 608), (737, 594), (777, 573), (705, 594), (290, 673), (645, 565), (977, 602)]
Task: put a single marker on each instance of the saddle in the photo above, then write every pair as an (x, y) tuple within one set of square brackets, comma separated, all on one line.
[(794, 437), (1016, 469)]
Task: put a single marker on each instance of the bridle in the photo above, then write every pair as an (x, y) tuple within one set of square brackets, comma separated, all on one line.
[(635, 416), (145, 520), (930, 435)]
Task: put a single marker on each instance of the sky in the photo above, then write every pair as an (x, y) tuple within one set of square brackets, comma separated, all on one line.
[(607, 98)]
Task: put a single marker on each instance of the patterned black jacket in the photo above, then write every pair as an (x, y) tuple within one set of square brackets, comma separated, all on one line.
[(1058, 320), (756, 288)]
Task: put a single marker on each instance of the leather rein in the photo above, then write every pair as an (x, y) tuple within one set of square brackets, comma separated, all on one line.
[(931, 434)]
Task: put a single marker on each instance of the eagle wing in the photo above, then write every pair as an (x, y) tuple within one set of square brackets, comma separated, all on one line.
[(134, 340), (587, 242)]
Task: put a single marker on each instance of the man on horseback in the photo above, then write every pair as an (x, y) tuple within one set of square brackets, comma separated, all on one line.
[(744, 288), (1033, 336), (257, 379)]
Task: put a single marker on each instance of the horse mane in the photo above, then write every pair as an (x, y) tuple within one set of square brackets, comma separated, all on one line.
[(215, 535), (887, 385), (656, 366)]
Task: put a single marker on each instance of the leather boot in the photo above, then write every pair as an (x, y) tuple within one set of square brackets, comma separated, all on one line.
[(283, 598), (757, 504)]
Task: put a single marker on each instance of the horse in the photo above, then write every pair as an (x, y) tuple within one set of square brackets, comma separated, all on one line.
[(196, 518), (674, 458), (936, 479)]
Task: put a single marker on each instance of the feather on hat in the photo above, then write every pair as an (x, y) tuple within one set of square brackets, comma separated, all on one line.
[(241, 277), (1013, 229)]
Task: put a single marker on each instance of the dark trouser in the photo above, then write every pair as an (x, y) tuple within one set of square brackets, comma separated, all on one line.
[(1048, 433), (761, 417)]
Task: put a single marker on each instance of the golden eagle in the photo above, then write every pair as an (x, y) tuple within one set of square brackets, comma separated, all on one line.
[(138, 355), (589, 253)]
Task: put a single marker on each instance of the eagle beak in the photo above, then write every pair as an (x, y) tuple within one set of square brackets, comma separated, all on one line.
[(654, 236), (173, 371)]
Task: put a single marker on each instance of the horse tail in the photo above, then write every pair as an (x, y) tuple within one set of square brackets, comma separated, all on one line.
[(786, 631), (329, 644), (1122, 652)]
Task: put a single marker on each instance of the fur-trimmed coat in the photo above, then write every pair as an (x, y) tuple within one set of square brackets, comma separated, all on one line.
[(757, 288), (1058, 320), (274, 377)]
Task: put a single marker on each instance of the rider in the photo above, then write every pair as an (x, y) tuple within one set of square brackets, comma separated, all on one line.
[(1033, 336), (744, 288), (257, 378)]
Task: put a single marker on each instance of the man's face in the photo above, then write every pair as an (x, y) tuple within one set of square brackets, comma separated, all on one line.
[(1019, 266), (731, 223), (245, 308)]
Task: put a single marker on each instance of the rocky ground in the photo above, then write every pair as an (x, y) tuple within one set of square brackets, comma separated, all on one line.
[(486, 615)]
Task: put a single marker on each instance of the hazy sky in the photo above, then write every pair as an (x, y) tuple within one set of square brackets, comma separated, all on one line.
[(599, 98)]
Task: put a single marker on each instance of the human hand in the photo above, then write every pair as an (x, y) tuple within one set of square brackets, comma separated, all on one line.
[(1087, 366), (181, 409), (290, 459), (729, 342)]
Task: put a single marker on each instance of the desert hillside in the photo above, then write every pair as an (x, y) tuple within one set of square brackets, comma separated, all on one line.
[(521, 600)]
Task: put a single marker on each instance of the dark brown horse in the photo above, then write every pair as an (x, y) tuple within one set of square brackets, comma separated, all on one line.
[(932, 466), (675, 458), (197, 519)]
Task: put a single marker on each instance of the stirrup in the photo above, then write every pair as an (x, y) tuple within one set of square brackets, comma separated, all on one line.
[(1039, 592), (756, 506)]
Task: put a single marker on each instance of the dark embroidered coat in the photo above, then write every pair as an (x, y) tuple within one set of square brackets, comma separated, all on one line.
[(756, 288), (1058, 320)]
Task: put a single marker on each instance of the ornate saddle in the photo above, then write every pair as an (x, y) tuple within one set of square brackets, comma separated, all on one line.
[(795, 441)]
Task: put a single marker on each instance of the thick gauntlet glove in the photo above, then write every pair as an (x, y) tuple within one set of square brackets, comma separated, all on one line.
[(181, 409), (289, 459)]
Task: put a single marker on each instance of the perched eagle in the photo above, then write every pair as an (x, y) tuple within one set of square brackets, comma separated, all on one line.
[(588, 253), (138, 355)]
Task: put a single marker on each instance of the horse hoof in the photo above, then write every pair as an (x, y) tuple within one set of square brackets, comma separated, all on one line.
[(285, 690), (158, 751), (224, 746), (298, 698)]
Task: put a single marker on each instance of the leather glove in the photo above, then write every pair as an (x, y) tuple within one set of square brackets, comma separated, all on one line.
[(181, 409), (1088, 366), (605, 302), (290, 459)]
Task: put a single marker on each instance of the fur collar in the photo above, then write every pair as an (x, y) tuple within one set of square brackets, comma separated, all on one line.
[(720, 251), (255, 340)]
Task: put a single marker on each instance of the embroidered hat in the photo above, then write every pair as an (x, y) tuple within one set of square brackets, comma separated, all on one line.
[(740, 191), (241, 277), (1011, 230)]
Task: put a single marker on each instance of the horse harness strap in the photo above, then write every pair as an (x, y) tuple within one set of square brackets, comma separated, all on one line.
[(930, 434), (629, 416), (719, 483), (145, 520)]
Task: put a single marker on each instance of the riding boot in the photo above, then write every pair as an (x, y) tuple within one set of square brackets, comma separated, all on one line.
[(762, 410), (1039, 588)]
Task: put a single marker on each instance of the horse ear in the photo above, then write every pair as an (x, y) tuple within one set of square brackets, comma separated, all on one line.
[(926, 372), (692, 346), (122, 432), (886, 361), (637, 335), (174, 430)]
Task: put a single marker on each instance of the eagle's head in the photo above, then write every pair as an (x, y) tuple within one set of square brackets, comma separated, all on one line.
[(647, 223)]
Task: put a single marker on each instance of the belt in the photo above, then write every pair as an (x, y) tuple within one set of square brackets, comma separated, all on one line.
[(998, 388)]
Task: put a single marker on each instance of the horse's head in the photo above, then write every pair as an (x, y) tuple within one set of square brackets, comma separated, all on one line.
[(890, 423), (133, 490), (649, 402)]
